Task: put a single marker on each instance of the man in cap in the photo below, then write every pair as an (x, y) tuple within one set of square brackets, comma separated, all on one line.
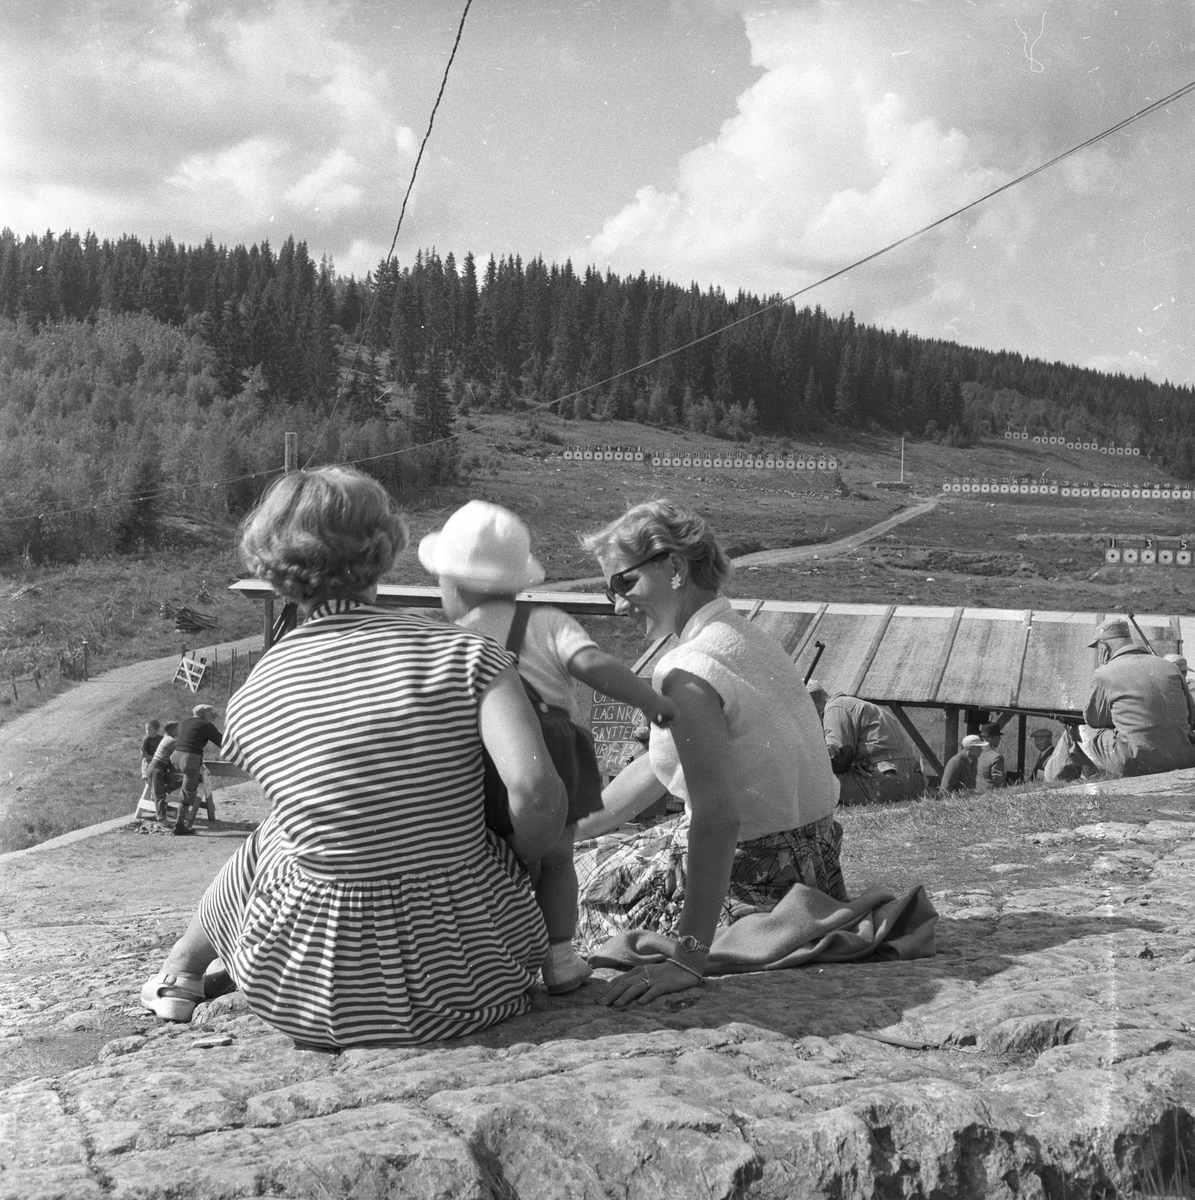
[(960, 771), (1043, 740), (1139, 713), (990, 772), (872, 755)]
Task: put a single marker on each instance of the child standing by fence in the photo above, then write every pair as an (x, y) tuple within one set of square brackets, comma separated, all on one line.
[(483, 558)]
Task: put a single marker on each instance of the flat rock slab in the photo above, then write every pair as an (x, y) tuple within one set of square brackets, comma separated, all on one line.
[(1047, 1050)]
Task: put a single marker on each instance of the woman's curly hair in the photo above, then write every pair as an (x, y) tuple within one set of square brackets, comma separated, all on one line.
[(322, 534), (658, 525)]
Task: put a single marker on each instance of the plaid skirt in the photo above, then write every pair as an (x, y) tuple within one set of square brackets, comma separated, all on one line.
[(637, 880)]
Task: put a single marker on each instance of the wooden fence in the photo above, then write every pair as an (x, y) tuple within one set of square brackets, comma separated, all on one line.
[(216, 675)]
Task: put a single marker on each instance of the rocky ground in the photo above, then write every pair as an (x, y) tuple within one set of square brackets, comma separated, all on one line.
[(1047, 1050)]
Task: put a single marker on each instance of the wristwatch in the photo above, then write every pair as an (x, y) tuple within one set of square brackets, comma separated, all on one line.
[(690, 945)]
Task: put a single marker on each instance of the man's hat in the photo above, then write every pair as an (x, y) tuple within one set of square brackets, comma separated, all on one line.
[(1110, 631), (990, 730), (1042, 731), (972, 740)]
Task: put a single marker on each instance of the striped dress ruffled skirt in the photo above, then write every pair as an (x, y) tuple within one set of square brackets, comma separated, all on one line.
[(372, 906)]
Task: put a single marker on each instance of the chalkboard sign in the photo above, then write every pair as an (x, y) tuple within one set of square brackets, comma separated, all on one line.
[(613, 723)]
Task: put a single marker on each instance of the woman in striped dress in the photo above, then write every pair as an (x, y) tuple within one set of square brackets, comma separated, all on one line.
[(372, 905)]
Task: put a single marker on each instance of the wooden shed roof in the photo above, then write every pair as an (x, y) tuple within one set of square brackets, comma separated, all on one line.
[(991, 658)]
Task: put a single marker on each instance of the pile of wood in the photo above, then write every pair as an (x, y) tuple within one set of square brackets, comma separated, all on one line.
[(187, 620)]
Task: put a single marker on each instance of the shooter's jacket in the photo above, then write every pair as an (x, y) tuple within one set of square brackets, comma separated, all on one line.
[(1145, 699)]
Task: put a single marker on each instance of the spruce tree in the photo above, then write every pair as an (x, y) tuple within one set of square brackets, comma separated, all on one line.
[(432, 417)]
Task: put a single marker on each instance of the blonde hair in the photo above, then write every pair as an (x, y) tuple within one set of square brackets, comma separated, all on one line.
[(662, 525), (325, 533)]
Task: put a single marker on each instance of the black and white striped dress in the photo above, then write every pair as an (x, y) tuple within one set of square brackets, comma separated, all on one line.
[(372, 905)]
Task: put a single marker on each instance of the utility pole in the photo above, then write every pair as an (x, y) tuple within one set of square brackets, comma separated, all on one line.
[(288, 616)]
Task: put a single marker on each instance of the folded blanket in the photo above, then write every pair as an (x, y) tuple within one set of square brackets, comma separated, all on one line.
[(807, 926)]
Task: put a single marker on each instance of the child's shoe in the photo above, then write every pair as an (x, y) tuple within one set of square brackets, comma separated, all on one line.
[(564, 969)]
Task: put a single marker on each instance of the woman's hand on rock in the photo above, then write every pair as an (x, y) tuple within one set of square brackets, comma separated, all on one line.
[(647, 983)]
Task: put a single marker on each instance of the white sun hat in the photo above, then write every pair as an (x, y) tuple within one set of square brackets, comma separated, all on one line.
[(484, 547)]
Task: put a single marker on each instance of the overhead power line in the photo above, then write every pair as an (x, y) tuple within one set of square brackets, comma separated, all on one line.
[(402, 212)]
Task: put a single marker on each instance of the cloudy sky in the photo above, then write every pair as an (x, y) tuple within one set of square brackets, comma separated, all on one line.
[(756, 146)]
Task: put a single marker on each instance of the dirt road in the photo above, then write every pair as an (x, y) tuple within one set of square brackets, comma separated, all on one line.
[(792, 554), (51, 737)]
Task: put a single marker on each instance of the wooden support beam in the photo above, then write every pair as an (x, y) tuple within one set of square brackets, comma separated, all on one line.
[(950, 733), (267, 620), (944, 659), (869, 657), (754, 610), (1021, 722), (918, 740), (1176, 635), (649, 653)]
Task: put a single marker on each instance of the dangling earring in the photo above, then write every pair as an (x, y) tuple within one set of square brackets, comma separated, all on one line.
[(676, 581)]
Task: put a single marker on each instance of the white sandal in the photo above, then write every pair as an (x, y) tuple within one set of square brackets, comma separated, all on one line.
[(172, 997)]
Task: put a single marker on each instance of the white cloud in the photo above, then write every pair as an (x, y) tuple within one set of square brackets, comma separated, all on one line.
[(816, 169), (188, 119), (869, 122), (244, 172), (330, 188)]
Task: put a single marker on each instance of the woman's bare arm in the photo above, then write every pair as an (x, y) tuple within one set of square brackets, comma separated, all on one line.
[(625, 797), (512, 735), (703, 744)]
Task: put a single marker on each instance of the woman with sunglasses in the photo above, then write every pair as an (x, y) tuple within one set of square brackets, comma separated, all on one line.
[(745, 752)]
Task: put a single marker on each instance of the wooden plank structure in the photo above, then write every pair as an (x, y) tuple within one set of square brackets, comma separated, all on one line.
[(976, 664), (191, 669)]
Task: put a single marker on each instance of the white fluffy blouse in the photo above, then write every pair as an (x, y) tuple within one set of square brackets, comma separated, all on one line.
[(778, 751)]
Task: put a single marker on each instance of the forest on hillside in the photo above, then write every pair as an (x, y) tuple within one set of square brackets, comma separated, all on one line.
[(129, 370)]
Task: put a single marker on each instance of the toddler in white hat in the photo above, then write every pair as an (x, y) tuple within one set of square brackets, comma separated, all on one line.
[(483, 558)]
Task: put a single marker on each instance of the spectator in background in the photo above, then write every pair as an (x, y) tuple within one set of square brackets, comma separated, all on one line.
[(989, 771), (961, 771), (163, 778), (1043, 741), (153, 735), (874, 758), (193, 735)]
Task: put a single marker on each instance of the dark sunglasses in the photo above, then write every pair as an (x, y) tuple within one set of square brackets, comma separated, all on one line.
[(619, 584)]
